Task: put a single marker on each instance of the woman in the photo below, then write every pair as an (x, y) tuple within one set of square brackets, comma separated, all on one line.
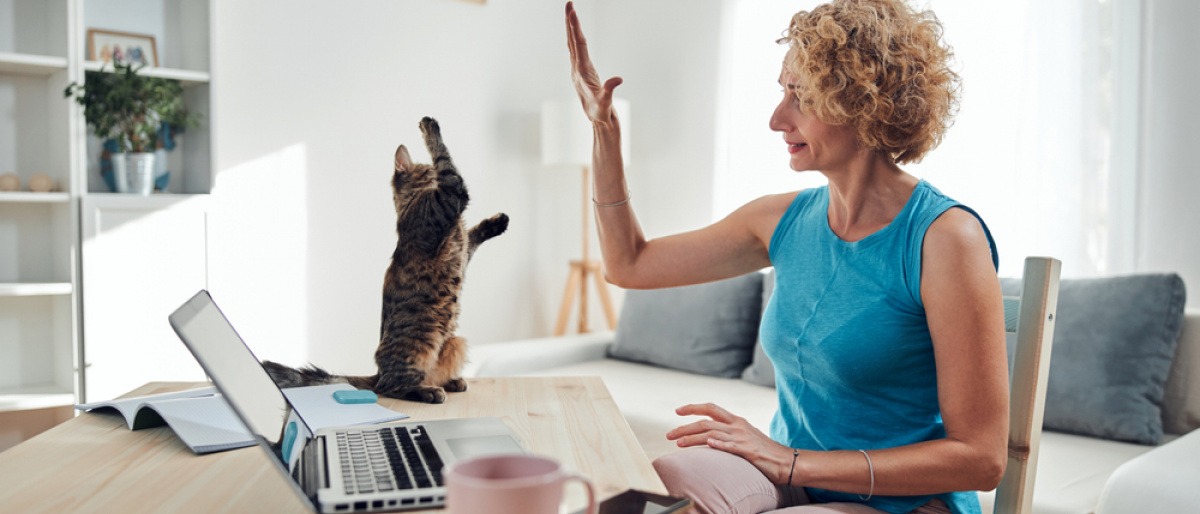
[(886, 324)]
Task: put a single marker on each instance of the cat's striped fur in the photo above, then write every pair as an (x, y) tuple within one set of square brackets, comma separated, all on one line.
[(419, 356)]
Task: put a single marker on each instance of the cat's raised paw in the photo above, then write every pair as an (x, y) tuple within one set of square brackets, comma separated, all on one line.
[(429, 126), (488, 229), (494, 225)]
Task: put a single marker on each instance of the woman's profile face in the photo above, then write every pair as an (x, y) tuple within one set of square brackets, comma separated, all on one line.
[(811, 143)]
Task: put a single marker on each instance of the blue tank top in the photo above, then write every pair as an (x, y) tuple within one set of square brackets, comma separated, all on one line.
[(846, 331)]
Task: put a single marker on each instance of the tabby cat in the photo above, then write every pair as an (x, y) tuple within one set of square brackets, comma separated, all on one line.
[(419, 356)]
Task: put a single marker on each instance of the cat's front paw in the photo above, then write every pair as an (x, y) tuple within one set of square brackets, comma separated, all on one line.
[(494, 225), (455, 385), (425, 394), (489, 228), (429, 126)]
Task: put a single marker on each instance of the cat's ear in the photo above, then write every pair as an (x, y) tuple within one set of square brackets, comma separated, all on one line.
[(403, 161)]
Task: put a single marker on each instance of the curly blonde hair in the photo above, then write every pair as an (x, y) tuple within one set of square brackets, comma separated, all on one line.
[(878, 66)]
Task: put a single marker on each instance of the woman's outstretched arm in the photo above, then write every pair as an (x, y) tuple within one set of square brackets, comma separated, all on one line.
[(730, 247)]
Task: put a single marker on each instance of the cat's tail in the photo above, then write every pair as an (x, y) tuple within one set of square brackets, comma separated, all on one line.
[(287, 376)]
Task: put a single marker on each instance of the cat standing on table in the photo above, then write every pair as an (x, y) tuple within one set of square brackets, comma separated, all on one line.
[(886, 325), (419, 356)]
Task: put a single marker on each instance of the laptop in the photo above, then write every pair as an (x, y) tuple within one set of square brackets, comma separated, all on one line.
[(364, 468)]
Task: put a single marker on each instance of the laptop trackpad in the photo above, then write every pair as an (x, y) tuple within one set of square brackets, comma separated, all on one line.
[(464, 447)]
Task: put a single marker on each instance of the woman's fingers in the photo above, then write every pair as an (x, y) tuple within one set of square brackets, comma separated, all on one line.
[(715, 439), (726, 432), (721, 426), (611, 84), (723, 431), (576, 43), (571, 33), (711, 410), (693, 440), (596, 97), (699, 427)]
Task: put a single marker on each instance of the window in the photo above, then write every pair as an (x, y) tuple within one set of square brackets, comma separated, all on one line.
[(1049, 89)]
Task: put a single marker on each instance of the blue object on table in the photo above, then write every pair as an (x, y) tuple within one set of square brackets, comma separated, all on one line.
[(289, 438), (355, 396)]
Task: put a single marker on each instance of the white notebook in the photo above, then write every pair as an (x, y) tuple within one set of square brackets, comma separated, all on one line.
[(205, 423)]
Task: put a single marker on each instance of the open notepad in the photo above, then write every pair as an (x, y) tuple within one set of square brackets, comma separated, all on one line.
[(205, 423)]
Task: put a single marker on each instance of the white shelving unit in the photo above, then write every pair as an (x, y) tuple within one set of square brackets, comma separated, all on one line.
[(187, 77), (35, 289), (26, 64), (63, 320), (39, 239), (31, 197)]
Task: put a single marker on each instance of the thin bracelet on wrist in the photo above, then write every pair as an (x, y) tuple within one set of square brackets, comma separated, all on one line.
[(870, 467), (792, 470), (614, 204)]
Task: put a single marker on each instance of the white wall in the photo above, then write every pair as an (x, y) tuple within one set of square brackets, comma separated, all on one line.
[(311, 99), (667, 52)]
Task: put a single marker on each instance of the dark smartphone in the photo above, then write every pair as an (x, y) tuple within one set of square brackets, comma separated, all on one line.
[(633, 501)]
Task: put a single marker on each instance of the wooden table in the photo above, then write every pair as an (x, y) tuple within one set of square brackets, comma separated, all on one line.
[(93, 463)]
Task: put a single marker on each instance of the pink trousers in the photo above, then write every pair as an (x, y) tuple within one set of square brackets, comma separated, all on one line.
[(723, 483)]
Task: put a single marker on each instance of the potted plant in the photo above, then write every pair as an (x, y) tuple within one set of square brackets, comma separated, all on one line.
[(133, 111)]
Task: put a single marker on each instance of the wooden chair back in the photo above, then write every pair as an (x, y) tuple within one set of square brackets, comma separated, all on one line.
[(1031, 317)]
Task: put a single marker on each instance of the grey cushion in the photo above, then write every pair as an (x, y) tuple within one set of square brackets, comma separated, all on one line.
[(706, 328), (1114, 340), (761, 371), (1181, 402)]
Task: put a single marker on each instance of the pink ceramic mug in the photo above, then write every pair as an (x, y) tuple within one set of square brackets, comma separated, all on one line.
[(509, 484)]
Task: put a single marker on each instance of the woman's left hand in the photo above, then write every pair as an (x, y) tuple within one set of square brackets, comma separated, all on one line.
[(729, 433), (595, 97)]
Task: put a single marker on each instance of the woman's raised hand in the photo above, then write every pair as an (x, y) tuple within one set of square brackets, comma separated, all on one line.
[(595, 97)]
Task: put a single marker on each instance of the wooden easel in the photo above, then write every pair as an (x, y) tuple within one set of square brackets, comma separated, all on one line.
[(577, 279)]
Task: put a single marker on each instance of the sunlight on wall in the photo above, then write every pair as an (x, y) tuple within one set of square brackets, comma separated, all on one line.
[(143, 259), (262, 287)]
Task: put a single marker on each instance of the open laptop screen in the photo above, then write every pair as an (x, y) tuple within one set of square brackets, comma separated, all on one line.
[(240, 377)]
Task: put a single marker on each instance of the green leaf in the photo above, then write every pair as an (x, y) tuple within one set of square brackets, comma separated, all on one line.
[(129, 108)]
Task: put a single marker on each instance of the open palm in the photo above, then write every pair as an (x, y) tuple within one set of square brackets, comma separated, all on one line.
[(595, 96)]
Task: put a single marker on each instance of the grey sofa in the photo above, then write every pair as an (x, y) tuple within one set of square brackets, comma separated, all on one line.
[(1088, 461)]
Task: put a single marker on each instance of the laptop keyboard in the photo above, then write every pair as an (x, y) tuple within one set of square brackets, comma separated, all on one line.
[(388, 459)]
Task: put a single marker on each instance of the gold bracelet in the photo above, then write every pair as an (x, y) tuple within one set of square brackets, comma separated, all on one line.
[(622, 202)]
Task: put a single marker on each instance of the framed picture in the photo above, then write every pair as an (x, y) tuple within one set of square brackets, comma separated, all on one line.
[(121, 47)]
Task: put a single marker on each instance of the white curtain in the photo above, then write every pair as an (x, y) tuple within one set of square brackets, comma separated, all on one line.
[(1037, 148)]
